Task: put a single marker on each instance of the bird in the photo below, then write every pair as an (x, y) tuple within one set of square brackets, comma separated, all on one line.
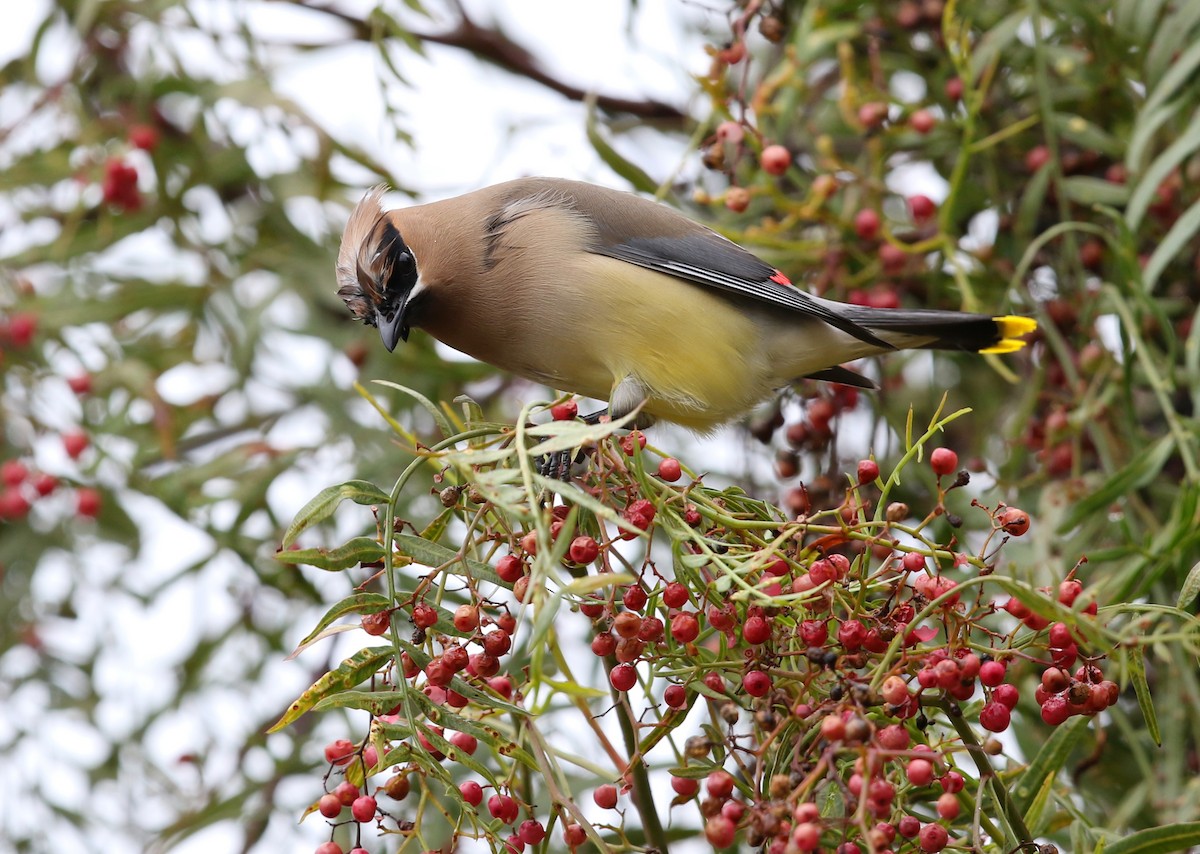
[(619, 298)]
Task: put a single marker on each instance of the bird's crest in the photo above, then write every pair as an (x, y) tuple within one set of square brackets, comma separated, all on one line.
[(357, 276)]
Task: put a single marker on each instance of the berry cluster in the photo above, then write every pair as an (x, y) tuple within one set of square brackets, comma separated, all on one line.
[(857, 660)]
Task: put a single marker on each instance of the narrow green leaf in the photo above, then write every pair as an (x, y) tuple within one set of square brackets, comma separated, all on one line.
[(628, 170), (345, 676), (1148, 124), (359, 603), (1095, 191), (327, 501), (1175, 31), (1178, 239), (1180, 72), (1141, 470), (1166, 839), (1147, 186), (1030, 206), (356, 551), (995, 40), (443, 423), (1137, 673), (1190, 589), (1048, 762), (424, 552)]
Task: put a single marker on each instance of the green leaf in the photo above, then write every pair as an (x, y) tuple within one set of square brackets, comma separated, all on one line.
[(1049, 761), (628, 170), (1190, 589), (1137, 673), (1095, 191), (1175, 31), (356, 551), (345, 676), (1175, 242), (1147, 186), (431, 554), (1141, 470), (359, 603), (994, 41), (1166, 839), (327, 501)]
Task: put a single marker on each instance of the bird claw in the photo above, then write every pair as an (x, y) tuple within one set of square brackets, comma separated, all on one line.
[(558, 464)]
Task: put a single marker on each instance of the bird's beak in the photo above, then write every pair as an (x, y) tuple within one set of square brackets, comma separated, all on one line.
[(392, 327)]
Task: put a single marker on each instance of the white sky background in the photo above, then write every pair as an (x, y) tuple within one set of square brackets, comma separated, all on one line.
[(473, 125)]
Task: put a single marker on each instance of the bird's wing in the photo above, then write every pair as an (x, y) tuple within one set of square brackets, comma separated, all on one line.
[(705, 258)]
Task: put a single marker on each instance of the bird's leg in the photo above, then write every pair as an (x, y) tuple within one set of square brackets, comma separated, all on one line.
[(628, 395)]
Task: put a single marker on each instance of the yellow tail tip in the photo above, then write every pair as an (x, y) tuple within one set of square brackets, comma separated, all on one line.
[(1011, 329)]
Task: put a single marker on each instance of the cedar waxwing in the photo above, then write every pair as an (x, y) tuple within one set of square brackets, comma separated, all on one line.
[(619, 298)]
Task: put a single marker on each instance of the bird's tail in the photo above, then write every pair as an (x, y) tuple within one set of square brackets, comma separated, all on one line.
[(944, 330)]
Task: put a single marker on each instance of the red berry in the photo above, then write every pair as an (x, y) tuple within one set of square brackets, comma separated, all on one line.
[(833, 728), (685, 786), (730, 132), (921, 207), (328, 848), (952, 782), (947, 806), (75, 443), (685, 628), (872, 114), (635, 597), (954, 89), (933, 837), (675, 696), (1008, 695), (913, 562), (465, 742), (909, 826), (714, 682), (943, 461), (851, 634), (120, 185), (22, 326), (87, 502), (868, 471), (1013, 520), (675, 595), (605, 796), (13, 473), (347, 792), (893, 737), (471, 792), (892, 258), (583, 550), (719, 784), (994, 717), (919, 772), (1036, 158), (363, 809), (574, 836), (144, 137), (466, 618), (44, 484), (340, 752), (991, 673), (922, 121), (623, 677), (670, 470), (756, 630), (565, 411), (424, 616), (719, 831), (510, 568), (866, 224), (378, 623), (531, 832), (757, 683), (329, 806), (776, 159)]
